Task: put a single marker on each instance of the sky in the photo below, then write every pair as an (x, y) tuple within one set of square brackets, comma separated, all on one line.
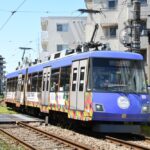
[(20, 25)]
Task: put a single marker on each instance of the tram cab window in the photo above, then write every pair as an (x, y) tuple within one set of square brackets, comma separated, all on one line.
[(115, 75)]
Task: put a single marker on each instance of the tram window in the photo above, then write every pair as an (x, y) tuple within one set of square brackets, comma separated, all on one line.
[(65, 78), (74, 74), (74, 81), (54, 80), (47, 85), (15, 84), (29, 83), (39, 82), (43, 85), (34, 82), (8, 85), (22, 83), (73, 87), (82, 71)]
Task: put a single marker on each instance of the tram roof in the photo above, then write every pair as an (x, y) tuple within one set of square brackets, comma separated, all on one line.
[(67, 60)]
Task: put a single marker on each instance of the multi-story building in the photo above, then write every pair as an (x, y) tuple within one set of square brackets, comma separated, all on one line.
[(60, 33), (2, 62), (115, 14)]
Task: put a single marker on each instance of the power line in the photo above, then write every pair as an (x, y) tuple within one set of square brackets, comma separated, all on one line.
[(26, 11), (12, 13)]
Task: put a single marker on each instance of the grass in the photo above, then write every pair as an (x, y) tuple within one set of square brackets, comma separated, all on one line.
[(146, 130), (6, 146), (6, 110)]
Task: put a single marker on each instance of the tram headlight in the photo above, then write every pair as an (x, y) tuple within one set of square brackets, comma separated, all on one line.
[(145, 109), (99, 107)]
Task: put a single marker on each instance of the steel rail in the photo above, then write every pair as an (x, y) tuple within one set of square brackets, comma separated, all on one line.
[(17, 139), (58, 138), (128, 144)]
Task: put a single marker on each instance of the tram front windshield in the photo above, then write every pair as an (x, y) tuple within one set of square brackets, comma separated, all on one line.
[(115, 75)]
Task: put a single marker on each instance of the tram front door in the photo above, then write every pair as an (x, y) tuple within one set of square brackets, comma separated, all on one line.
[(78, 84), (46, 86)]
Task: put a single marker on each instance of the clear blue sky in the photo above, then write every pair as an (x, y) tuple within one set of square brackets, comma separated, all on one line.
[(23, 28)]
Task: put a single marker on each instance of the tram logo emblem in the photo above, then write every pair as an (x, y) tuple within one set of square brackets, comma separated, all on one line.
[(123, 102)]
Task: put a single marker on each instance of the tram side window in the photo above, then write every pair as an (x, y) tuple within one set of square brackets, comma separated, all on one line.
[(34, 82), (8, 85), (11, 82), (74, 81), (54, 80), (39, 82), (15, 84), (65, 79), (22, 83), (29, 83)]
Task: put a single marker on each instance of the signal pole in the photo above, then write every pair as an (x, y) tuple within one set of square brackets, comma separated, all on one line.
[(136, 25)]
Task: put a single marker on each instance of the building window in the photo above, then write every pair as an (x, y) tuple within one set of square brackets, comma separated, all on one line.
[(142, 2), (111, 32), (112, 4), (62, 27), (61, 47), (143, 25), (97, 1)]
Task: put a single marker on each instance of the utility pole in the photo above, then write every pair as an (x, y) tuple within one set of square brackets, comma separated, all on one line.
[(136, 25), (24, 50)]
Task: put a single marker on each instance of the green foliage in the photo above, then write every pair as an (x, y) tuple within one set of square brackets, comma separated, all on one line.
[(5, 146), (6, 110), (146, 130)]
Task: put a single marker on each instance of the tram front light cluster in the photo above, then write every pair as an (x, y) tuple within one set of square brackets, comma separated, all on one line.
[(99, 107), (146, 109)]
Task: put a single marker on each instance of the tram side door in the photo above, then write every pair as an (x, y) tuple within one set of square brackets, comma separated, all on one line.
[(78, 84), (46, 85), (18, 93)]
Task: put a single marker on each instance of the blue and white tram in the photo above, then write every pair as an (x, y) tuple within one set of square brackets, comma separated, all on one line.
[(101, 87)]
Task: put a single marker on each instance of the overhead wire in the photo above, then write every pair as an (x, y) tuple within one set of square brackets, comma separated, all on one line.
[(12, 13)]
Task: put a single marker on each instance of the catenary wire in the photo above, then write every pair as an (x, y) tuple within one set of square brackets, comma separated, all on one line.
[(12, 13)]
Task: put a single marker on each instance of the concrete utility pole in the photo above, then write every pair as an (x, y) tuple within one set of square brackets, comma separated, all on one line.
[(136, 25)]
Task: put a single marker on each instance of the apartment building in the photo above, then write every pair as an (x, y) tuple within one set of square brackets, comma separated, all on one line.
[(115, 14), (60, 33), (2, 72)]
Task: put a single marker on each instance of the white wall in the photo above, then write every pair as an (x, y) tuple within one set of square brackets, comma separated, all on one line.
[(51, 37)]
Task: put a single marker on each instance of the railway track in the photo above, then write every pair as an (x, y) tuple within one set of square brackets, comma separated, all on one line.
[(34, 139), (130, 144)]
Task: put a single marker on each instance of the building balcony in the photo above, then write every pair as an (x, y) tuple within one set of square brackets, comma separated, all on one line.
[(44, 24), (89, 4), (44, 37), (2, 61)]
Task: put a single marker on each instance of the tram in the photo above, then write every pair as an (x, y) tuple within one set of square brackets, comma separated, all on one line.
[(104, 88)]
